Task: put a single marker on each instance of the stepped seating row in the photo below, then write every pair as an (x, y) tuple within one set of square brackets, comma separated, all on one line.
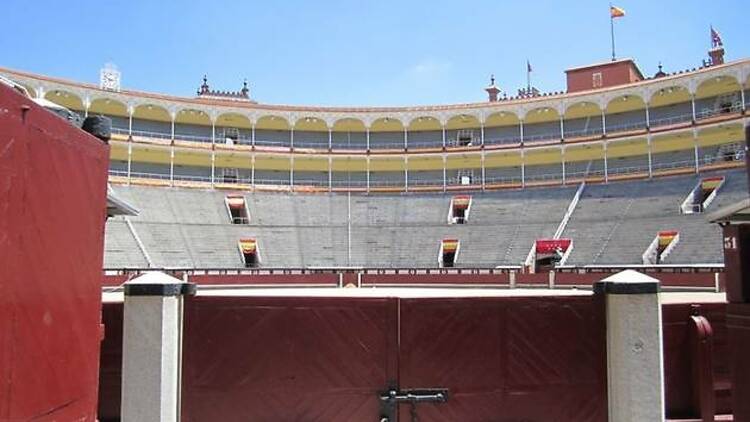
[(613, 224), (616, 222)]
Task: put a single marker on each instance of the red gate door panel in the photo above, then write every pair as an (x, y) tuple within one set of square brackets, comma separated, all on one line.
[(287, 359), (506, 359)]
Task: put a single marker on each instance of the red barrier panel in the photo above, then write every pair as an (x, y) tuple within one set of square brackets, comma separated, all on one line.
[(678, 359), (541, 279), (287, 359), (110, 369), (510, 359), (577, 279), (307, 358), (270, 279), (412, 279), (53, 184)]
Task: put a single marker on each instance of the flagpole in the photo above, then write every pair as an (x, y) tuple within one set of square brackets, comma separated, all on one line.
[(612, 30), (528, 77)]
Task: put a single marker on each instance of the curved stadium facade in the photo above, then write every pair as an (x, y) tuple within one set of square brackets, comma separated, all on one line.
[(620, 172)]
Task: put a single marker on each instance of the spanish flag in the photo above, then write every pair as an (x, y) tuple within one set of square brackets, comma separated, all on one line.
[(616, 12)]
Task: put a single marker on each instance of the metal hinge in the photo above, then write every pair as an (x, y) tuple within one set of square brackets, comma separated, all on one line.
[(389, 401)]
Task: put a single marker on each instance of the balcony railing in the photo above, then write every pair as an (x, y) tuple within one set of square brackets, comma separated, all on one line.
[(736, 155), (655, 122)]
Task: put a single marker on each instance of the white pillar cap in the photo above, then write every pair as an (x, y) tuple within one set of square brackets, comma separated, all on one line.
[(627, 282), (157, 283)]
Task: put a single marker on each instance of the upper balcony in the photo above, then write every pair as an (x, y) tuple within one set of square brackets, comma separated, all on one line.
[(675, 101)]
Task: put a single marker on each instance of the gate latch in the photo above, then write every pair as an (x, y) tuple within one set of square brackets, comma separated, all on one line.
[(389, 400)]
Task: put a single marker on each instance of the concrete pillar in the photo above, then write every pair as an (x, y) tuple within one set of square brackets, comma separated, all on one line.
[(152, 347), (635, 366)]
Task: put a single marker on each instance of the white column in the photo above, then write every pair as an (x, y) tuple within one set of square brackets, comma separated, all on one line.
[(635, 364), (252, 170), (742, 98), (520, 125), (650, 158), (562, 157), (330, 167), (330, 138), (606, 167), (171, 131), (483, 171), (443, 136), (604, 122), (695, 150), (171, 165), (692, 106), (291, 138), (213, 166), (291, 172), (130, 122), (252, 135), (368, 174), (152, 347), (445, 170), (406, 139), (648, 118), (523, 168), (562, 128), (406, 172), (213, 132), (86, 106), (481, 129), (130, 158), (367, 135)]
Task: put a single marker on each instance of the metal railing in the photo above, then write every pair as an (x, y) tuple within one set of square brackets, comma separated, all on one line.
[(718, 156), (705, 113)]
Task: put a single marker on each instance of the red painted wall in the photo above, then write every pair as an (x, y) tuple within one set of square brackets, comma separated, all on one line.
[(614, 73), (52, 210)]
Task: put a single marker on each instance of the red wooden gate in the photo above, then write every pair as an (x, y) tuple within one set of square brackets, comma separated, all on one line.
[(506, 359), (328, 359)]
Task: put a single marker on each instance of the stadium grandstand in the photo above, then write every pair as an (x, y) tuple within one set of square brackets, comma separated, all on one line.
[(608, 166), (449, 262)]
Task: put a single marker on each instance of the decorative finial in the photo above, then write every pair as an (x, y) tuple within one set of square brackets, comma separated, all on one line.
[(492, 79)]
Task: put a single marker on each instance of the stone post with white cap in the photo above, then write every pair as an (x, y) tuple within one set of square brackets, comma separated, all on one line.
[(152, 347), (635, 367)]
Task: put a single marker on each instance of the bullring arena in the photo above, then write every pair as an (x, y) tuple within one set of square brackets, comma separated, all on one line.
[(539, 257)]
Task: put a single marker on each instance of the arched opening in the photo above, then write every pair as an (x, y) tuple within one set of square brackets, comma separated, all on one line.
[(463, 130), (273, 131), (388, 133), (349, 133), (115, 110), (502, 127), (541, 124), (233, 128), (311, 132), (625, 113), (66, 99), (582, 119), (670, 105), (192, 125), (718, 95), (152, 121), (425, 131)]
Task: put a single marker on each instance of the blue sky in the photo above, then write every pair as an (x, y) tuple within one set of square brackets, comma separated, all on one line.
[(384, 52)]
